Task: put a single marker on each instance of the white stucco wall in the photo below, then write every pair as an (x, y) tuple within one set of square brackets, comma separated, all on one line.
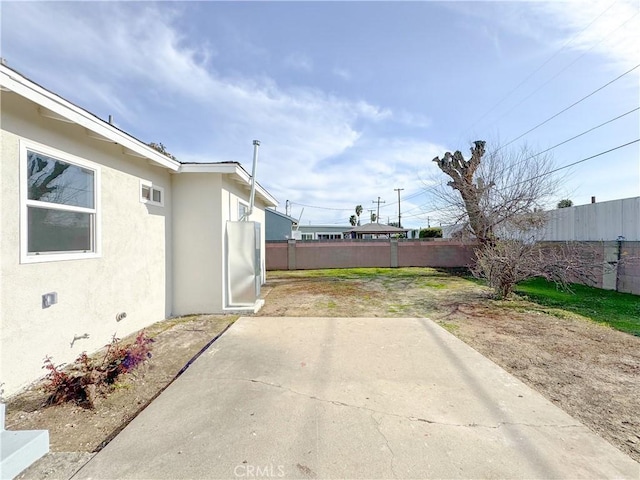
[(197, 243), (132, 275), (202, 204)]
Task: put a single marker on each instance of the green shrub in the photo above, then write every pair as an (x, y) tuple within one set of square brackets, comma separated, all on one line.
[(432, 232)]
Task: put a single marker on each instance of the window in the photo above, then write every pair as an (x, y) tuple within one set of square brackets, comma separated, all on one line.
[(307, 236), (151, 194), (59, 206), (243, 209)]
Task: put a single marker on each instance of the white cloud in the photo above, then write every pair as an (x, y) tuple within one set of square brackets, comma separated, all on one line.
[(612, 30), (139, 67)]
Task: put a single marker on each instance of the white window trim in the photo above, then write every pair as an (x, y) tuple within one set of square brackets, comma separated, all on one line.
[(147, 183), (25, 145), (245, 204), (339, 235)]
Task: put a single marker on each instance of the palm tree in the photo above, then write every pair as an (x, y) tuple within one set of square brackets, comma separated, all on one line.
[(353, 220), (358, 212)]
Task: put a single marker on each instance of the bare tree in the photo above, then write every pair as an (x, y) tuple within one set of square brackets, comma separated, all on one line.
[(491, 188), (518, 254), (498, 197)]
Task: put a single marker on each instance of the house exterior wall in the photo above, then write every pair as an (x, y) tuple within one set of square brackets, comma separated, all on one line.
[(132, 274), (202, 204), (319, 232), (277, 227), (197, 262)]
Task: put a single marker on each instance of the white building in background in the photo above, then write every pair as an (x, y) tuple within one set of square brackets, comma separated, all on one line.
[(604, 221), (96, 224)]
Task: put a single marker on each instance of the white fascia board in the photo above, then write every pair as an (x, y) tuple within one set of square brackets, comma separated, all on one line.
[(55, 106), (234, 169), (223, 168)]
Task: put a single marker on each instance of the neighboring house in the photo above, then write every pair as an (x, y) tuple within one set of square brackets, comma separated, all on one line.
[(374, 230), (278, 226), (321, 232), (96, 224)]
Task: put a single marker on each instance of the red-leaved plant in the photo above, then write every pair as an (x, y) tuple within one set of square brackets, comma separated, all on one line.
[(81, 381)]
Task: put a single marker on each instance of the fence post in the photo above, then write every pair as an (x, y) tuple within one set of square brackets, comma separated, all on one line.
[(610, 266), (394, 252), (291, 254)]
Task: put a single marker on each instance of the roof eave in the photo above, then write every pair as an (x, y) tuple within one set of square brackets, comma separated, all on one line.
[(56, 107), (234, 169)]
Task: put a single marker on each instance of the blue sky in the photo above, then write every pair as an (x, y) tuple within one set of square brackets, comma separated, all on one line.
[(349, 99)]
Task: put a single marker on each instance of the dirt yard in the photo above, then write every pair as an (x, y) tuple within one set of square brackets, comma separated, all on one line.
[(589, 370)]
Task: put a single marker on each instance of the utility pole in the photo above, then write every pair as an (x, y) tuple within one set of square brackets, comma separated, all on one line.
[(286, 207), (378, 214), (399, 190)]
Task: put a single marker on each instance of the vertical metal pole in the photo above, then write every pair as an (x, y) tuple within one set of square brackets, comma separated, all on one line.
[(256, 145)]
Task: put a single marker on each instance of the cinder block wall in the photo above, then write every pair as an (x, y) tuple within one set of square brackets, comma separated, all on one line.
[(629, 268), (447, 254), (293, 255)]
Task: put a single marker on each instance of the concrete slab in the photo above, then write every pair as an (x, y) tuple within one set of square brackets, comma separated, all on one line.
[(352, 398)]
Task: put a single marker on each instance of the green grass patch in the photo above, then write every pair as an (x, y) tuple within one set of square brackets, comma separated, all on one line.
[(619, 310)]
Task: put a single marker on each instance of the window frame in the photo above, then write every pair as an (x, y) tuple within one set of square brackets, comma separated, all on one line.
[(152, 188), (25, 203), (242, 205)]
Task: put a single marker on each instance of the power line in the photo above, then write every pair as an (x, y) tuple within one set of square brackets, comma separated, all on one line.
[(433, 187), (584, 133), (577, 162), (565, 68), (569, 107), (321, 208), (427, 189), (554, 170), (522, 82)]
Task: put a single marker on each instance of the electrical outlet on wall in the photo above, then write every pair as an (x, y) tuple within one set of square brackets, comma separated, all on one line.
[(49, 299)]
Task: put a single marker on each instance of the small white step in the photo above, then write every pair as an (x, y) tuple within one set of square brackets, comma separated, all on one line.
[(19, 449)]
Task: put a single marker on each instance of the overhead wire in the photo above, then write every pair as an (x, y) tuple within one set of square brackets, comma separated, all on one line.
[(565, 68), (430, 188), (567, 108), (557, 52)]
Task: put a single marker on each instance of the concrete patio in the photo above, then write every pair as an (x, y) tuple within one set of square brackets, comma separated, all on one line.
[(352, 398)]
